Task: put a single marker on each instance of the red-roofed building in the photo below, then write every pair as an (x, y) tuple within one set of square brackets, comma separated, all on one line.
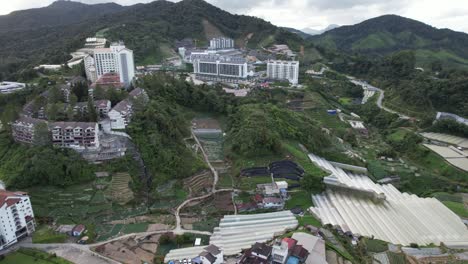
[(16, 217), (290, 241), (109, 80)]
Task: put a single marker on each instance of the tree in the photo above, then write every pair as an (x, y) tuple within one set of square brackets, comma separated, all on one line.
[(80, 90), (55, 95), (99, 93), (42, 136), (312, 184), (92, 114), (52, 112)]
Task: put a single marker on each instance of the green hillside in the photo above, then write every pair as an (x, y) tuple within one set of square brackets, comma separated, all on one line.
[(144, 28), (390, 33)]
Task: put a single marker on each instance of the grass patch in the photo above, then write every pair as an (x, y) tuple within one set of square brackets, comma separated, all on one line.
[(250, 183), (302, 159), (300, 199), (396, 258), (135, 228), (308, 220), (32, 256), (45, 235), (376, 246), (457, 208)]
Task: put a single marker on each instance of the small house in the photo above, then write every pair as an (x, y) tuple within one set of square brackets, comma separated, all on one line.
[(78, 230)]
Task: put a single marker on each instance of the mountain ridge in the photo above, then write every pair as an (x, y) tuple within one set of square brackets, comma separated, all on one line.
[(386, 34)]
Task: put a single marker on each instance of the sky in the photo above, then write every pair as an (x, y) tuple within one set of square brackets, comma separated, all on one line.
[(316, 14)]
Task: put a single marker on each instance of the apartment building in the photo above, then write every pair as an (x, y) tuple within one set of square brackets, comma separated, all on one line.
[(221, 43), (23, 129), (215, 67), (75, 135), (16, 217), (122, 112), (283, 70), (115, 59)]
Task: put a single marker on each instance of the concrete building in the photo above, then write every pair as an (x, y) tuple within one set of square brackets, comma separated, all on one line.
[(221, 43), (283, 70), (120, 115), (75, 135), (16, 217), (90, 68), (214, 67), (23, 129), (116, 59), (11, 87), (280, 252), (122, 112)]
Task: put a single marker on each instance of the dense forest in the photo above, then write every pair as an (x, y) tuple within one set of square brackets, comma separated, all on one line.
[(145, 28), (415, 89), (23, 166), (390, 33)]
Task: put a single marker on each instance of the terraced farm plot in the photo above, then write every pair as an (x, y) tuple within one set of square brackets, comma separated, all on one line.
[(199, 182), (119, 190), (213, 145)]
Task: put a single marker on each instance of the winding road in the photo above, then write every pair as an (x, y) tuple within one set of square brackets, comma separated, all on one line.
[(381, 97), (83, 254)]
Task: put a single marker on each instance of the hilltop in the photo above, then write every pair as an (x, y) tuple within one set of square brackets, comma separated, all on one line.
[(50, 33), (390, 33)]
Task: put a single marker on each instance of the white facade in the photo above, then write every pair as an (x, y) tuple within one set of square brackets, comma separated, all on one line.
[(221, 43), (16, 217), (283, 70), (90, 68), (220, 68), (118, 119), (116, 59), (280, 252), (75, 135)]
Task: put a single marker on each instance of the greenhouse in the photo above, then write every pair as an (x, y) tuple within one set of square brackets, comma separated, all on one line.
[(356, 204)]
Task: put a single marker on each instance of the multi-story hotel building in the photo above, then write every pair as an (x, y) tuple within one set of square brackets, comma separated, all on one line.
[(283, 70), (16, 217), (116, 59), (75, 135), (214, 67), (221, 43), (24, 129)]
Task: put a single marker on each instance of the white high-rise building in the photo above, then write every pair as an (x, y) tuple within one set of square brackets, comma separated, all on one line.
[(220, 68), (16, 217), (116, 59), (221, 43), (283, 70)]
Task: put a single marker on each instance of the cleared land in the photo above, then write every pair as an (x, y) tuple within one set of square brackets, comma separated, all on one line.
[(119, 190)]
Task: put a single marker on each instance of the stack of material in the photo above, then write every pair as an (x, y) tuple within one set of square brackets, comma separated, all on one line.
[(399, 218), (237, 232)]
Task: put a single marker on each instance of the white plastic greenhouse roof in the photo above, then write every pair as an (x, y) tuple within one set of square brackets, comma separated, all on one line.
[(400, 218), (238, 232)]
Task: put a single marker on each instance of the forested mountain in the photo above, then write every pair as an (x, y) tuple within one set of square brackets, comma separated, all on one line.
[(59, 13), (390, 33), (146, 28)]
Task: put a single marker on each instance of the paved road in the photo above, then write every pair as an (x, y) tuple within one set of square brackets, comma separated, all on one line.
[(82, 254), (380, 99)]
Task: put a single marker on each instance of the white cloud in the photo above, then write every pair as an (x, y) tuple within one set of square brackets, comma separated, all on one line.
[(317, 14)]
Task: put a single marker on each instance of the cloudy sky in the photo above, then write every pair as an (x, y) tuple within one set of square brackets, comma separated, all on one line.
[(317, 14)]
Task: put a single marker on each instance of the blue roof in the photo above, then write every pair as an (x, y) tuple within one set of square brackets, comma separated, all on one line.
[(292, 260)]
